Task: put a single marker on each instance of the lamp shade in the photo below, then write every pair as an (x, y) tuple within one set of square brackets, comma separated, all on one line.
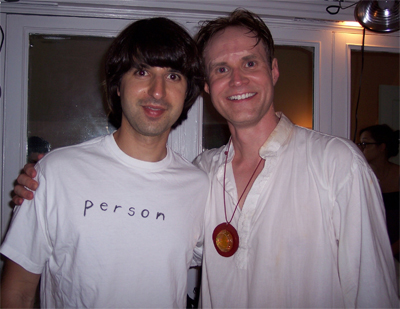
[(378, 16)]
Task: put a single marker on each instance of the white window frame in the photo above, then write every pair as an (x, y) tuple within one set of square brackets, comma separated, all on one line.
[(341, 80)]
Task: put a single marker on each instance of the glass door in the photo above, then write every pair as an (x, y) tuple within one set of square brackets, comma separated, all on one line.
[(66, 102)]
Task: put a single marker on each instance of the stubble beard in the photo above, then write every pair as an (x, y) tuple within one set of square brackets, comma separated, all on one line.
[(150, 127)]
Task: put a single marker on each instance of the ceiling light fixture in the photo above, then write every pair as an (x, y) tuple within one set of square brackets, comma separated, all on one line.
[(379, 16)]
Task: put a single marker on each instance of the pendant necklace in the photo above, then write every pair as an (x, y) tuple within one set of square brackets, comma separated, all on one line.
[(225, 236)]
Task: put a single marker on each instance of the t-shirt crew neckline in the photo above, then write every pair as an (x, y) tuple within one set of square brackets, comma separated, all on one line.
[(111, 144)]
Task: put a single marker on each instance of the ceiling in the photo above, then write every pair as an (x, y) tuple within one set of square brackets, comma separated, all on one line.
[(311, 9)]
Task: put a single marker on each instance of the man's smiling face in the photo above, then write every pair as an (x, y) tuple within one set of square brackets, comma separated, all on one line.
[(239, 78), (152, 99)]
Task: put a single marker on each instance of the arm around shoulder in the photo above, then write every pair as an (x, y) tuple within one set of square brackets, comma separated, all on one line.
[(18, 286), (25, 181)]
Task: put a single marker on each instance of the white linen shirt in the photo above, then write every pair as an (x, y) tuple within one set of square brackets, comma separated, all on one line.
[(312, 229)]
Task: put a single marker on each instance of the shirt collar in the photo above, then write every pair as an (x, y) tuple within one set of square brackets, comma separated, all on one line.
[(278, 138)]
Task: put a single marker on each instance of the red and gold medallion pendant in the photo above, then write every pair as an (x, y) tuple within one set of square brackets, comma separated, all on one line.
[(226, 239), (225, 236)]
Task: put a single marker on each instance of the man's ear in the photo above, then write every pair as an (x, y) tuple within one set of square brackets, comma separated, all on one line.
[(118, 92), (275, 71), (206, 88)]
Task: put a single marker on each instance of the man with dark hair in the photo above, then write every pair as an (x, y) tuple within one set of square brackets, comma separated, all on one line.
[(294, 218), (111, 225)]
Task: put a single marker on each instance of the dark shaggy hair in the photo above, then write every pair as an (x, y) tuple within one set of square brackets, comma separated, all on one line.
[(154, 42), (238, 18), (384, 134)]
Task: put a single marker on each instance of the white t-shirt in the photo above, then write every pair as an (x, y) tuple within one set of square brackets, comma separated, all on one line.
[(312, 230), (107, 230)]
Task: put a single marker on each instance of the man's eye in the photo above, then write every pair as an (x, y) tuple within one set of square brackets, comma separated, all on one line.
[(141, 72), (221, 70), (250, 64), (174, 76)]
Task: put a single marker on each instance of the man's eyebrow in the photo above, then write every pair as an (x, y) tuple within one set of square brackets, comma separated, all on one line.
[(224, 63), (249, 57), (217, 64), (171, 70)]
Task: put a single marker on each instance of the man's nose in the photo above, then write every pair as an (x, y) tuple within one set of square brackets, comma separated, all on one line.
[(157, 88), (238, 78)]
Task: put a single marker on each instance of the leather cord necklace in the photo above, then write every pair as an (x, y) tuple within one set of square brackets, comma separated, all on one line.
[(225, 236)]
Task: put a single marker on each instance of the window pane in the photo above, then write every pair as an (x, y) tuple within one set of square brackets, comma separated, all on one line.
[(377, 105), (66, 102)]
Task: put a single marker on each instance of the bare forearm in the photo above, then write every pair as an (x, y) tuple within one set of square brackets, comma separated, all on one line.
[(15, 299), (18, 286)]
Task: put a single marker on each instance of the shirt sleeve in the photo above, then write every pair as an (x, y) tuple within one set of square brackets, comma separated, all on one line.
[(366, 265), (27, 242)]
